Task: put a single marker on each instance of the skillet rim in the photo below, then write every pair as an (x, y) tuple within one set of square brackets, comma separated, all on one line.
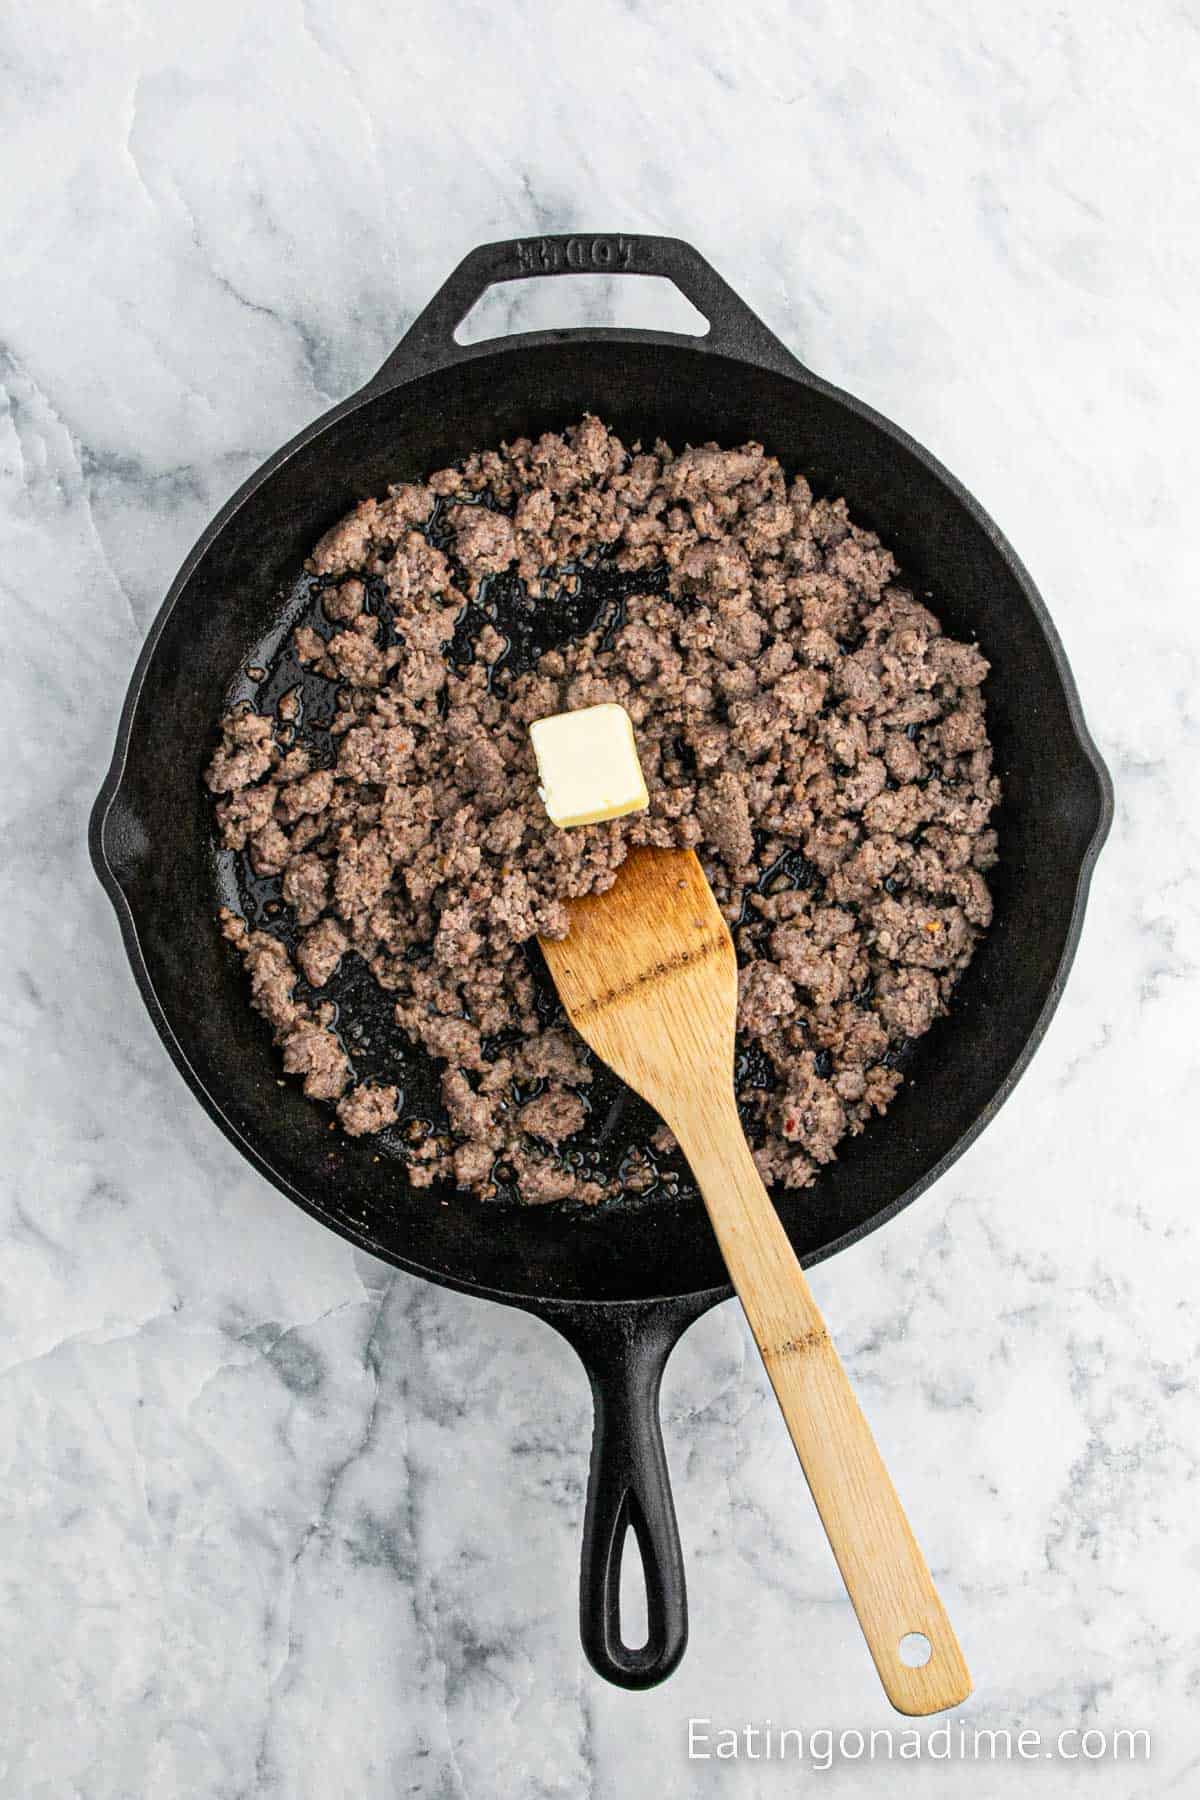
[(104, 823)]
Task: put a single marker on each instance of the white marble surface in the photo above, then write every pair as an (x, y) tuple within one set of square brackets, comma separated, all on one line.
[(277, 1521)]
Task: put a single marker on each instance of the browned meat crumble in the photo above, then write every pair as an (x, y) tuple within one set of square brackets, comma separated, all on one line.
[(801, 720)]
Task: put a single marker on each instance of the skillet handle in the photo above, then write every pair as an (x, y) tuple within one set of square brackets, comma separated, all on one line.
[(624, 1350), (734, 330)]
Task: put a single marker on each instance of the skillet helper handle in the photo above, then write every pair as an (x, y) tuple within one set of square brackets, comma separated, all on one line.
[(629, 1492), (734, 329), (886, 1576)]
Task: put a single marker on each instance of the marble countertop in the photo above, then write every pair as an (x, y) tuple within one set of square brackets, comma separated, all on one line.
[(276, 1520)]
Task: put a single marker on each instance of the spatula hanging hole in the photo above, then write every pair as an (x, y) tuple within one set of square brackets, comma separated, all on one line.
[(915, 1650), (634, 1612)]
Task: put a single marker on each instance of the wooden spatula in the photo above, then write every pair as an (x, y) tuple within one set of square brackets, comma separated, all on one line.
[(649, 979)]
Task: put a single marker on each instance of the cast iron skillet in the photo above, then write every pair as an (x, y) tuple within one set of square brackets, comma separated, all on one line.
[(621, 1284)]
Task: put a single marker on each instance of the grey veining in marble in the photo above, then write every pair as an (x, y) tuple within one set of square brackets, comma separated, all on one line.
[(276, 1521)]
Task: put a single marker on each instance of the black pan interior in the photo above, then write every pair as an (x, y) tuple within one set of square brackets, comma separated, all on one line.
[(159, 831)]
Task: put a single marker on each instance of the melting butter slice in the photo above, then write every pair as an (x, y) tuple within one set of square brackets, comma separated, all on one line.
[(588, 765)]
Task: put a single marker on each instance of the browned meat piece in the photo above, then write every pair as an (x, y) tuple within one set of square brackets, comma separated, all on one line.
[(408, 503), (907, 1000), (363, 872), (484, 541), (958, 665), (801, 719), (809, 1112), (414, 573), (310, 645), (898, 812), (766, 996), (312, 1050), (472, 1115), (473, 1163), (306, 887), (343, 604), (716, 568), (271, 849), (557, 1114), (345, 545), (867, 781), (244, 755), (781, 1164), (553, 1055), (269, 967), (321, 950), (825, 974), (542, 1181), (355, 655), (902, 758), (311, 794), (725, 818), (534, 516), (962, 730), (701, 474), (375, 752), (483, 771), (367, 1108), (244, 813), (910, 930)]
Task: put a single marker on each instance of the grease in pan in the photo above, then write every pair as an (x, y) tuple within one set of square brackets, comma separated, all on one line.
[(803, 721)]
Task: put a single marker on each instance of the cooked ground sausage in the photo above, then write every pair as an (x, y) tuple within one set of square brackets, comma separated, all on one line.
[(802, 722)]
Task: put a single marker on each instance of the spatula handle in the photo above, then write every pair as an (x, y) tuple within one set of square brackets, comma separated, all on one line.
[(884, 1571)]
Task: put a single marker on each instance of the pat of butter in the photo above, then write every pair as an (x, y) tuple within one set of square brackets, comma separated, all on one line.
[(588, 765)]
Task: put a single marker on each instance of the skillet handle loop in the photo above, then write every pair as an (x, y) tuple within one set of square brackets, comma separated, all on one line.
[(734, 330), (629, 1492)]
